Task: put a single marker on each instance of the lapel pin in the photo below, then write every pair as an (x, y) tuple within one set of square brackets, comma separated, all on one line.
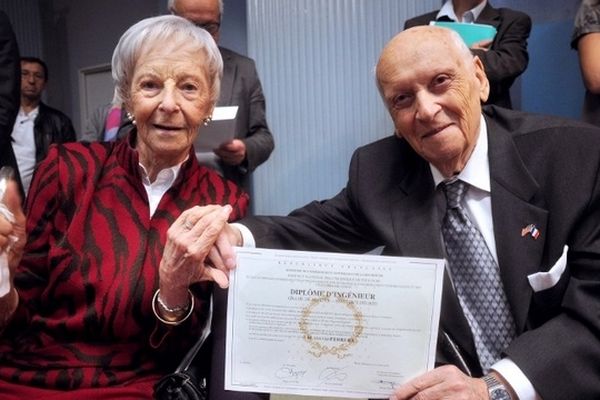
[(532, 230)]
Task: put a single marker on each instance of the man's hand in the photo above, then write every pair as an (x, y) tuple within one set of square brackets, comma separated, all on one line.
[(232, 152), (443, 383)]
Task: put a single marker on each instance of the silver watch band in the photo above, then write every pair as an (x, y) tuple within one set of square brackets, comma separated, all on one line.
[(496, 389)]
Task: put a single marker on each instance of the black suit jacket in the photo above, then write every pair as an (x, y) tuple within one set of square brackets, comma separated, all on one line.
[(10, 84), (507, 58), (543, 171), (241, 87)]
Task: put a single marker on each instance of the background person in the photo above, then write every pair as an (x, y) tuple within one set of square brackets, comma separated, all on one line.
[(108, 122), (108, 292), (532, 222), (505, 57), (586, 40), (253, 142), (37, 125)]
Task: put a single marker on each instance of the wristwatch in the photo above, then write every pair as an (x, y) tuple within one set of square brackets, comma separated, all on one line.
[(496, 389)]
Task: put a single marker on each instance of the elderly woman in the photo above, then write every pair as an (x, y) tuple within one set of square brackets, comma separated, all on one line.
[(112, 282)]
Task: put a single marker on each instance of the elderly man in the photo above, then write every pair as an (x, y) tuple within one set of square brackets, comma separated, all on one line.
[(240, 86), (505, 57), (511, 200)]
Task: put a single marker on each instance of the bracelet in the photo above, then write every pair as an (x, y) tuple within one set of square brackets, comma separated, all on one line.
[(174, 310), (176, 320)]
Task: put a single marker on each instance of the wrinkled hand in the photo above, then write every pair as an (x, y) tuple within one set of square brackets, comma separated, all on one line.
[(11, 230), (232, 152), (189, 254), (482, 45), (443, 383)]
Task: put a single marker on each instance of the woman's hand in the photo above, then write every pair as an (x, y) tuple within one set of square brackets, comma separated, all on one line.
[(192, 253)]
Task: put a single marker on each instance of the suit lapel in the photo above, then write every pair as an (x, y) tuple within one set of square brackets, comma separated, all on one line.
[(416, 224), (516, 203), (490, 16), (229, 73), (417, 228)]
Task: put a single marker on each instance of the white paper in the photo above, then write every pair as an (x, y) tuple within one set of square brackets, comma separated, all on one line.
[(221, 129), (4, 270), (328, 324)]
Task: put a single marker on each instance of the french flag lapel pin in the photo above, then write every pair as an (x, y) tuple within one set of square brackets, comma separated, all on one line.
[(532, 230)]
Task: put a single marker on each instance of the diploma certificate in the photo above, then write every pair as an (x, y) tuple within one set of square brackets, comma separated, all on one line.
[(328, 324)]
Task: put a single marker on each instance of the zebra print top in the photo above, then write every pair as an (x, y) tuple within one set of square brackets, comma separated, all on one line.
[(90, 269)]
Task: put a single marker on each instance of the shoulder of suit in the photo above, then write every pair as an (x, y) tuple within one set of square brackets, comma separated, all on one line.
[(388, 144), (509, 13), (519, 123), (234, 56), (422, 19)]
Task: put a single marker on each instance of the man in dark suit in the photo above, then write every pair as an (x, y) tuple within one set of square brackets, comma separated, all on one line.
[(532, 194), (240, 86), (10, 82), (504, 58)]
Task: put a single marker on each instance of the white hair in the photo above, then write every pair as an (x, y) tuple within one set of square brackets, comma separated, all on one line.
[(165, 29)]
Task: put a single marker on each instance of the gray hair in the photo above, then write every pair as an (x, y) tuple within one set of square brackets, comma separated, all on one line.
[(165, 29), (171, 7)]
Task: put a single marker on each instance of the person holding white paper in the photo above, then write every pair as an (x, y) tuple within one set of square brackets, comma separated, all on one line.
[(253, 142), (505, 57), (531, 201)]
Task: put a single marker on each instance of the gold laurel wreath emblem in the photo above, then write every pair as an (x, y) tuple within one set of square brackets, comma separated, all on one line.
[(318, 349)]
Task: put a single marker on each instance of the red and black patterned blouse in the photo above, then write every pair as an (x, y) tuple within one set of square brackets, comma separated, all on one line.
[(84, 323)]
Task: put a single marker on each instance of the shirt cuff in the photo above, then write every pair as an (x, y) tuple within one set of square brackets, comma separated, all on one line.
[(516, 379), (247, 237)]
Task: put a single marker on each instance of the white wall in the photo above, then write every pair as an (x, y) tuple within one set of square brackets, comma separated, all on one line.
[(316, 59)]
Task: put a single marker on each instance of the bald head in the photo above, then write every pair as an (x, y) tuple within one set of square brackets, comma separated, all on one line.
[(203, 13), (433, 88), (420, 43)]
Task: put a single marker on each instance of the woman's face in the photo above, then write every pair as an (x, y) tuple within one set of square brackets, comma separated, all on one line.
[(170, 98)]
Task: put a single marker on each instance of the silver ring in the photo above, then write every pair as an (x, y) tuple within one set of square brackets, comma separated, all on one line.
[(188, 225)]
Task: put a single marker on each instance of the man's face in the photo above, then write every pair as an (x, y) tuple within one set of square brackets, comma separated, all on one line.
[(33, 80), (203, 13), (433, 89)]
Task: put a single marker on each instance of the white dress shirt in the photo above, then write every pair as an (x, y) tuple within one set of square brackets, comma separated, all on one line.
[(156, 190), (478, 205), (24, 145), (469, 16)]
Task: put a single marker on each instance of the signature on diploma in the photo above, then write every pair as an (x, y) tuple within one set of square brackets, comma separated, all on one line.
[(287, 372), (386, 383), (333, 374)]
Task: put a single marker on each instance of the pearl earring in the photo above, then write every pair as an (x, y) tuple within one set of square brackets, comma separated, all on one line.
[(130, 117), (206, 120)]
